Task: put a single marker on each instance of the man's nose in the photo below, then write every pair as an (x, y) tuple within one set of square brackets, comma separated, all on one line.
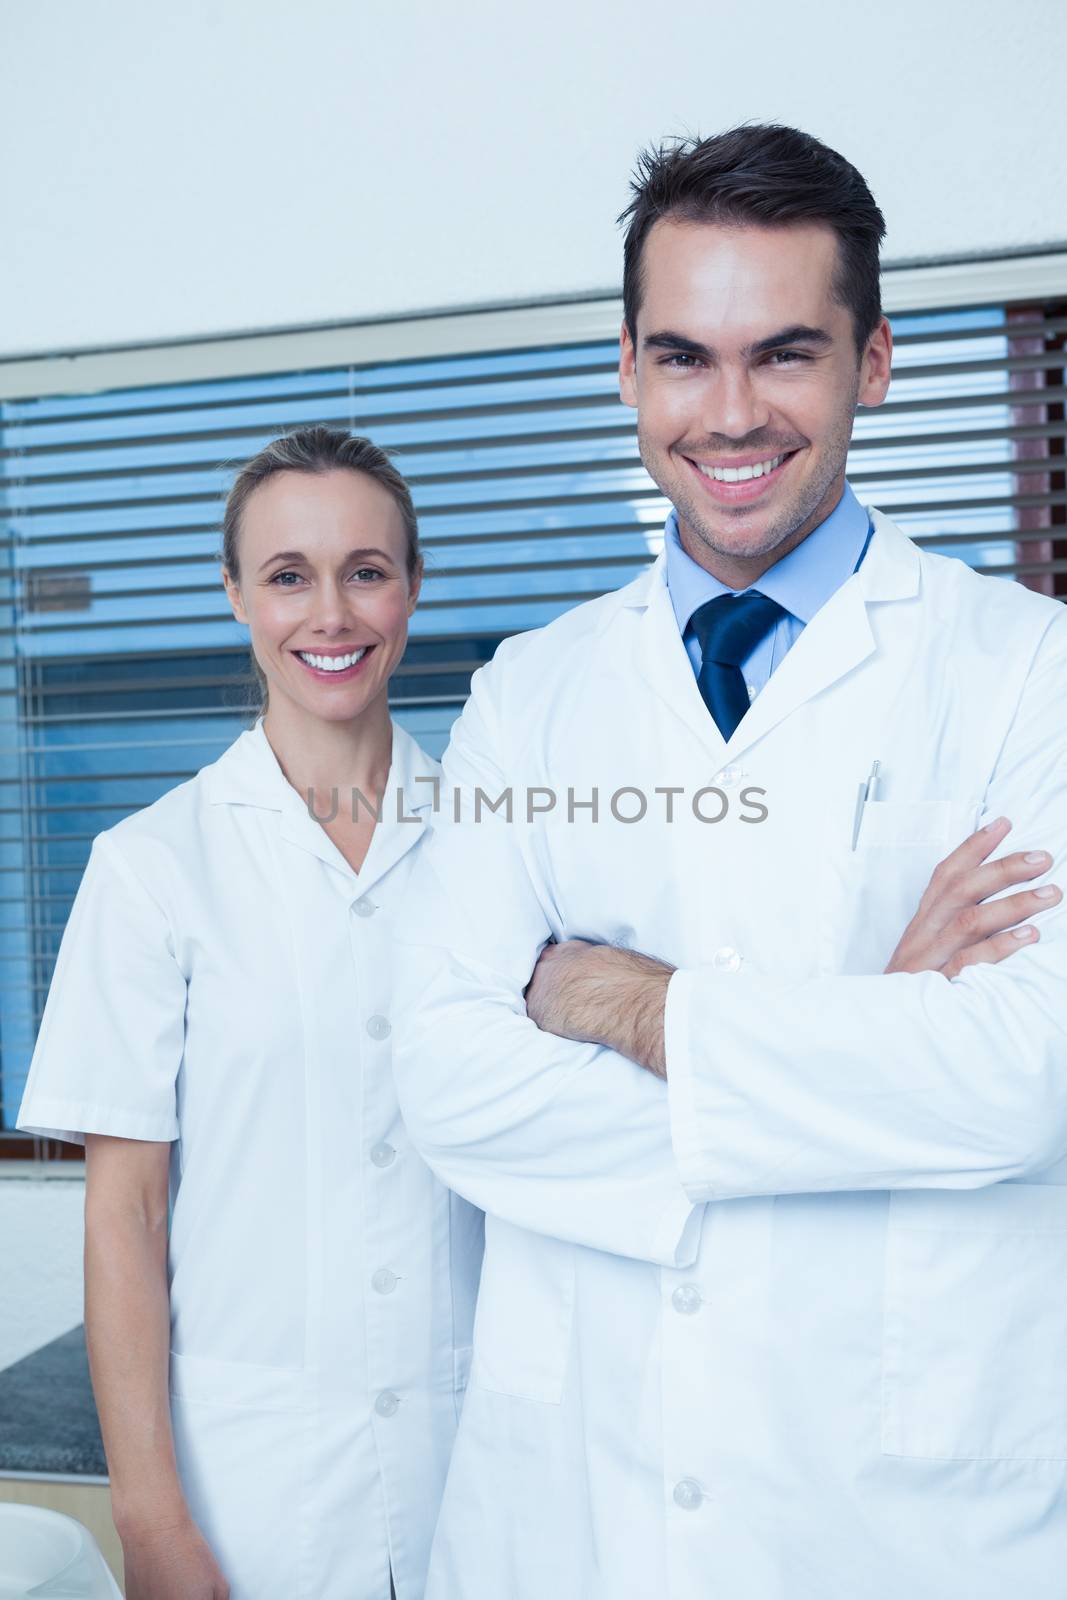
[(733, 407)]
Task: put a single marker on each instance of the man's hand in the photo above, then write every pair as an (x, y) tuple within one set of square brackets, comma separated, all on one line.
[(957, 924), (599, 994), (602, 995)]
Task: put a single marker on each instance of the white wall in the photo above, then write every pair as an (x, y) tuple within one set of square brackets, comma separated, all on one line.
[(221, 165), (41, 1236)]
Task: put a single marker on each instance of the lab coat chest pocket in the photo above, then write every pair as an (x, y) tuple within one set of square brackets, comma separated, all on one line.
[(900, 843), (974, 1358), (523, 1322)]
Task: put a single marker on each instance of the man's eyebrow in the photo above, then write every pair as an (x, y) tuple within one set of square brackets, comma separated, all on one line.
[(798, 333), (666, 340), (298, 555)]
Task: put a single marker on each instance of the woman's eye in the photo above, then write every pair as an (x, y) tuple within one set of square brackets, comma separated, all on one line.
[(368, 572), (279, 575)]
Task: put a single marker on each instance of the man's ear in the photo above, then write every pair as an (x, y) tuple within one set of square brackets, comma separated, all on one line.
[(876, 366), (233, 595), (627, 368)]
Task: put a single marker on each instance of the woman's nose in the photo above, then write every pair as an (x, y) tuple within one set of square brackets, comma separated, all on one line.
[(331, 612)]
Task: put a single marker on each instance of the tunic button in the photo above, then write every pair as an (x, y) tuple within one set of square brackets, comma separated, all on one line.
[(384, 1281), (688, 1494), (387, 1404), (686, 1299), (378, 1027), (383, 1155), (363, 908), (728, 778), (727, 959)]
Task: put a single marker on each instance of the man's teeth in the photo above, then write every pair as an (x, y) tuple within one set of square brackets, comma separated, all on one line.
[(332, 663), (741, 474)]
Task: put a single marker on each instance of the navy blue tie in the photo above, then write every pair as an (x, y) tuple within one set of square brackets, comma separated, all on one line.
[(728, 628)]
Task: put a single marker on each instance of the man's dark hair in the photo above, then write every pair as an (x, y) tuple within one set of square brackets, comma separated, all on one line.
[(765, 175)]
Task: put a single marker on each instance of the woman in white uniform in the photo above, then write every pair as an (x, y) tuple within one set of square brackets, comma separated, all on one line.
[(217, 1033)]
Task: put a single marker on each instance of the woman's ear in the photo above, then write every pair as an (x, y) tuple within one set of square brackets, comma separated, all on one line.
[(233, 595), (415, 585)]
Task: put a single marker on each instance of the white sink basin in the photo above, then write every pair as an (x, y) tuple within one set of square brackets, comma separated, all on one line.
[(46, 1556)]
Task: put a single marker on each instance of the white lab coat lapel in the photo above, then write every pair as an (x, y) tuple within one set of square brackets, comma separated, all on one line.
[(410, 792), (838, 637), (836, 640), (661, 661), (249, 774)]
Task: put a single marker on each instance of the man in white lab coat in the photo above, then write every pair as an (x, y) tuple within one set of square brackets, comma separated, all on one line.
[(774, 1304)]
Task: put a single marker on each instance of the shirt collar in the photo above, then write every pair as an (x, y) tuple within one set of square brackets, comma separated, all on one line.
[(801, 582)]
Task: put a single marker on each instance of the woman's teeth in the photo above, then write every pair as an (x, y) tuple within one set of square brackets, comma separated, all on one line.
[(741, 474), (332, 663)]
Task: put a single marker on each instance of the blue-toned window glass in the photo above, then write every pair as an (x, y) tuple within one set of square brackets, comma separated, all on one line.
[(122, 670)]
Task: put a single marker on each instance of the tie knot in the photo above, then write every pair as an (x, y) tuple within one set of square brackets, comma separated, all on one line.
[(730, 626)]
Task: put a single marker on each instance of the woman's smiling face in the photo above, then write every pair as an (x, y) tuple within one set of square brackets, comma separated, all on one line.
[(324, 589)]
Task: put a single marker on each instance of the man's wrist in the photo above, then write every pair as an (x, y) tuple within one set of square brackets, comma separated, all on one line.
[(633, 1022)]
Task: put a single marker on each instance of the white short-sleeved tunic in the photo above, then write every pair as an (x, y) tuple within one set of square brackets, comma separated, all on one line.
[(224, 982)]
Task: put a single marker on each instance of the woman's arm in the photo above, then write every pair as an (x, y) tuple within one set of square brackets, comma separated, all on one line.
[(127, 1326)]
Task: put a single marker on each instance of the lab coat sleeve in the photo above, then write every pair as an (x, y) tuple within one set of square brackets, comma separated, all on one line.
[(111, 1038), (562, 1138), (897, 1081)]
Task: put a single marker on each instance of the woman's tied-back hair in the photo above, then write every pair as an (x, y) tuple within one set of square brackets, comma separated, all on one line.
[(314, 450), (761, 175)]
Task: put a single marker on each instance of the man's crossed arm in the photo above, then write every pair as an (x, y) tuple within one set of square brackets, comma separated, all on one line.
[(603, 995)]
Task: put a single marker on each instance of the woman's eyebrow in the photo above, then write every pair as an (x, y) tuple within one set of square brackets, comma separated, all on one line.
[(298, 555)]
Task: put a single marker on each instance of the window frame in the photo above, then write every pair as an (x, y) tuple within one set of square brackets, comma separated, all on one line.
[(1028, 277)]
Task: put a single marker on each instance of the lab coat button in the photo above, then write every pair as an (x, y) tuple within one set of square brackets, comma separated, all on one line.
[(727, 959), (686, 1299), (379, 1028), (688, 1494), (383, 1281), (728, 778), (363, 908), (387, 1404), (382, 1154)]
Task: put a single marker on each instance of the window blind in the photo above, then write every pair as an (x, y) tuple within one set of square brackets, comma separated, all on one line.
[(122, 670)]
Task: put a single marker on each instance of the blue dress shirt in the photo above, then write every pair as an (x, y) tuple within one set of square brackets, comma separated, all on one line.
[(801, 582)]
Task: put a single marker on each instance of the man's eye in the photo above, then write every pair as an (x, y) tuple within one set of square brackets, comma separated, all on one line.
[(784, 358), (680, 358)]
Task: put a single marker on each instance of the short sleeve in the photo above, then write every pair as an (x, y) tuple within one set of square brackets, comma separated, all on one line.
[(113, 1031)]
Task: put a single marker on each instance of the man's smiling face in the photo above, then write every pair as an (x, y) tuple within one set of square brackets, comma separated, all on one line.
[(746, 378)]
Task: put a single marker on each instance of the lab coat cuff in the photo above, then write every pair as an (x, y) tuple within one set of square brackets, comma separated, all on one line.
[(71, 1120)]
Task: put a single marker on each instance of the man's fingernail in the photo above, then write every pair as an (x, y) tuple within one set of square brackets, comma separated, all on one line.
[(1022, 933), (1048, 891), (1036, 856), (998, 822)]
